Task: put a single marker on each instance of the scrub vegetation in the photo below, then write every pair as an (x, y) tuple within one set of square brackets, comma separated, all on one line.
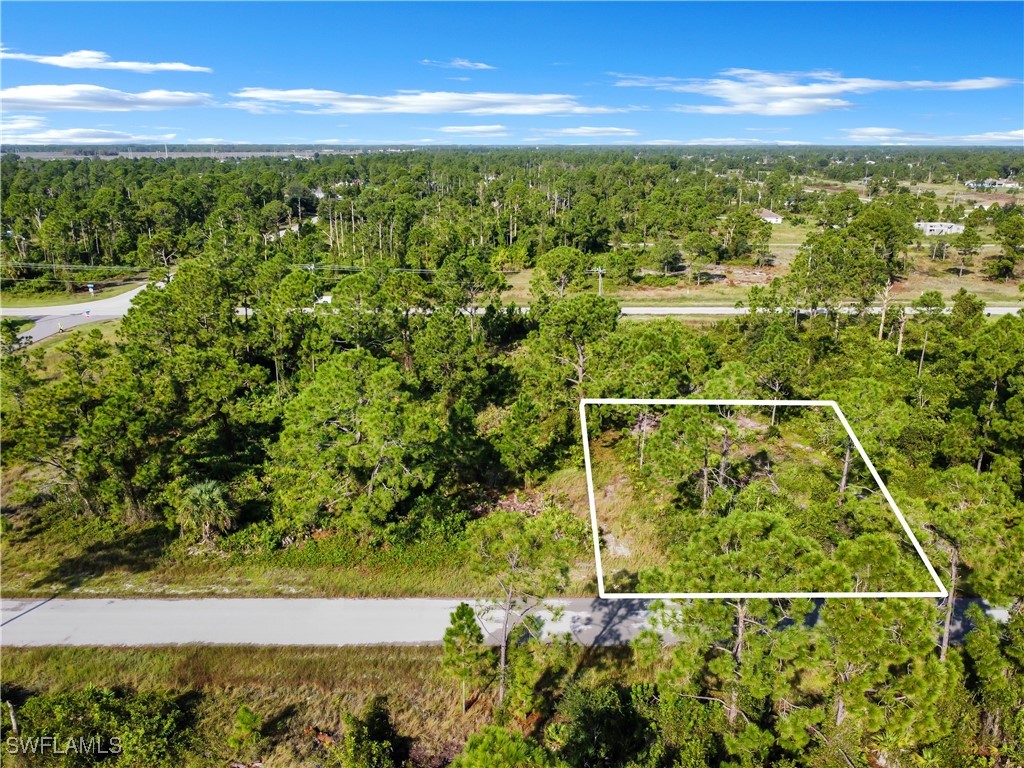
[(728, 499), (418, 434)]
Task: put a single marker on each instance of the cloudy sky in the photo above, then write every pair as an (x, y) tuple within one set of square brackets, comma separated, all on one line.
[(508, 73)]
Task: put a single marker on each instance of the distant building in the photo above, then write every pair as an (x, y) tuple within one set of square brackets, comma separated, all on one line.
[(939, 227), (993, 184), (770, 216)]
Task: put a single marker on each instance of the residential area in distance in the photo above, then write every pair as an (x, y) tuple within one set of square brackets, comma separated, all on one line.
[(495, 398)]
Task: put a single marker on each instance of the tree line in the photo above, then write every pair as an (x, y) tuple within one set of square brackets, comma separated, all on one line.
[(72, 220)]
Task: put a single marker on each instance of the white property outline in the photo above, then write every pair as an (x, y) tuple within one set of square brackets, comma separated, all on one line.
[(941, 592)]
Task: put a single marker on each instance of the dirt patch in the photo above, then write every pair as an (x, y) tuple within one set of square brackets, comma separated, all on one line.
[(529, 503), (748, 423), (613, 546)]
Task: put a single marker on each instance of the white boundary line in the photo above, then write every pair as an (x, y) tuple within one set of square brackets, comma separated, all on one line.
[(940, 592)]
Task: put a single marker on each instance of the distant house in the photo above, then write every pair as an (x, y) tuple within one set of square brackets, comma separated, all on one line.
[(993, 184), (770, 216), (939, 227)]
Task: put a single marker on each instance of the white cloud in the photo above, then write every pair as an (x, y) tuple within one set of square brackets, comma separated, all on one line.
[(718, 142), (897, 136), (586, 130), (29, 129), (22, 123), (754, 92), (478, 131), (456, 64), (990, 136), (459, 79), (412, 102), (388, 142), (100, 60), (215, 141), (94, 98)]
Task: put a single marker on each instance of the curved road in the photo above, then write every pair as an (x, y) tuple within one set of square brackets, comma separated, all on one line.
[(48, 320)]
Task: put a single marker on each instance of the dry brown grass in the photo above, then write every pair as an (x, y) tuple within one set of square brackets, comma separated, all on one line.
[(627, 516), (298, 692)]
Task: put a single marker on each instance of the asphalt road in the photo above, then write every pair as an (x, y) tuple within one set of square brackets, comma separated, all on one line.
[(325, 622), (48, 319), (287, 621)]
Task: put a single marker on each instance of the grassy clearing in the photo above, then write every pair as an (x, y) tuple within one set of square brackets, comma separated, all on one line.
[(48, 552), (927, 274), (299, 692), (788, 233), (725, 286), (15, 301), (627, 516), (87, 557), (728, 284)]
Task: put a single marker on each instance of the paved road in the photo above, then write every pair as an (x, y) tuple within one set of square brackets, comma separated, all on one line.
[(296, 621), (69, 315), (48, 320), (285, 621)]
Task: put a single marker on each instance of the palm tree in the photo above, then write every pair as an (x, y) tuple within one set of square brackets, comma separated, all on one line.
[(204, 508)]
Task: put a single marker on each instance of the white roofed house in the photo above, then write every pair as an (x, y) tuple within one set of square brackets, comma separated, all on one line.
[(939, 227), (770, 216)]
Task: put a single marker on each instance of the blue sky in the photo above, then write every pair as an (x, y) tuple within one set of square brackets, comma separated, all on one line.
[(514, 73)]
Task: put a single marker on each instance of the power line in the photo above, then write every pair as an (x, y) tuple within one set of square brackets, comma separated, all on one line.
[(37, 279), (43, 265)]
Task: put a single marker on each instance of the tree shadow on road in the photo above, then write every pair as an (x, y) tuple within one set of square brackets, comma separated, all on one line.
[(611, 619)]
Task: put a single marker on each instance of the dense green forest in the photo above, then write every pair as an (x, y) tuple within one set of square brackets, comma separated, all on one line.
[(399, 427), (415, 210)]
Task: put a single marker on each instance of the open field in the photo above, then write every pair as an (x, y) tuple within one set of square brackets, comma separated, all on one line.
[(948, 192), (727, 284), (926, 274)]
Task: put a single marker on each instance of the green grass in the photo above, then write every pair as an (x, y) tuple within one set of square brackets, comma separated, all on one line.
[(627, 515), (47, 551), (51, 348), (788, 233), (87, 557), (299, 692), (15, 301), (20, 324)]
